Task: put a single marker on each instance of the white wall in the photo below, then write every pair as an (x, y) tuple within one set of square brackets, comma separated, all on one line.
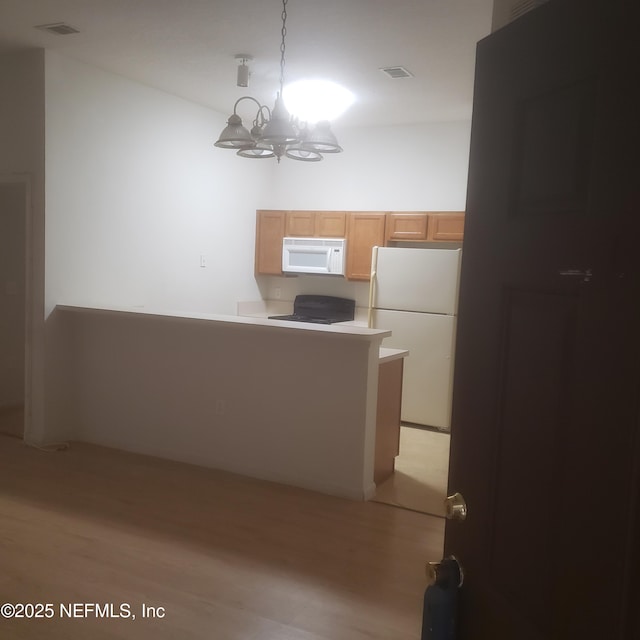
[(12, 292), (136, 192), (22, 160), (417, 167)]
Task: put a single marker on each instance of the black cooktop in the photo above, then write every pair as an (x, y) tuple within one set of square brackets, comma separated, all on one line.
[(320, 309)]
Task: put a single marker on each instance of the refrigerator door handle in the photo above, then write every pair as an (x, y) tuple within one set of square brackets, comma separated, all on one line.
[(372, 284)]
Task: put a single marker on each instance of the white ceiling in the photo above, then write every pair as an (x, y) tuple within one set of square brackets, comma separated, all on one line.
[(187, 47)]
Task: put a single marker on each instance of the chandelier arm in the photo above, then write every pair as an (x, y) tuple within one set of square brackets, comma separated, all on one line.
[(260, 120), (260, 107), (261, 111)]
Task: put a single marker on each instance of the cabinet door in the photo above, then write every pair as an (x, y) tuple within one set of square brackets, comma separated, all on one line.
[(446, 227), (269, 233), (301, 224), (388, 419), (407, 226), (331, 224), (365, 230)]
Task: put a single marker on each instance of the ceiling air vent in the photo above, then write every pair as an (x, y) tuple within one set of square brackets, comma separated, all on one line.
[(58, 28), (524, 6), (397, 72)]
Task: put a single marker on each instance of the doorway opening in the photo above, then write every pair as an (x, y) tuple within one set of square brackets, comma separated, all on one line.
[(419, 481), (13, 305)]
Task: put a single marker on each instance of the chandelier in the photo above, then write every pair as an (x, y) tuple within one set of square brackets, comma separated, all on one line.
[(274, 132)]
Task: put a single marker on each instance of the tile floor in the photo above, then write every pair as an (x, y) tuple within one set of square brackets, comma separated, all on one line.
[(420, 479)]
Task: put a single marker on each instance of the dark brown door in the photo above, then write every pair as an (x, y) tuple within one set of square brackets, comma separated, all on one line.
[(545, 444)]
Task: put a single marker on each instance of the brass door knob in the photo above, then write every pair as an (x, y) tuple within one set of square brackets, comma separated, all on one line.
[(431, 570), (456, 507), (447, 568)]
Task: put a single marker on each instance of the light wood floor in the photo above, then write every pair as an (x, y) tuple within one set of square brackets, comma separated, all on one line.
[(227, 557), (421, 471)]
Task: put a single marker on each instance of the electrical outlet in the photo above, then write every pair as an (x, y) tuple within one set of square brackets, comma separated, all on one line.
[(277, 293), (203, 260)]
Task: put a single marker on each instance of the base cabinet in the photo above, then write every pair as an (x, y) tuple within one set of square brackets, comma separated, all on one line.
[(388, 420)]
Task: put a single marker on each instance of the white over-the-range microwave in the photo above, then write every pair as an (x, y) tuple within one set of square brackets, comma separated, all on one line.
[(314, 255)]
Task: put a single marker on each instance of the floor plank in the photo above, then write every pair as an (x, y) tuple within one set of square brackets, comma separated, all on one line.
[(225, 556), (421, 471)]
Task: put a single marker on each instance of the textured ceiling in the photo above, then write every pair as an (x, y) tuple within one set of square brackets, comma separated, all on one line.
[(187, 47)]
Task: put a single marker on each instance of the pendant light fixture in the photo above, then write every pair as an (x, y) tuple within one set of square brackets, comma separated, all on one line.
[(274, 132)]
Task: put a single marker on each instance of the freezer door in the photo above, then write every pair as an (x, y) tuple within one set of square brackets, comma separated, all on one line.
[(424, 280), (428, 370)]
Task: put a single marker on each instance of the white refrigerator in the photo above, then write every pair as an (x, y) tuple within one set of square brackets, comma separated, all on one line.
[(414, 293)]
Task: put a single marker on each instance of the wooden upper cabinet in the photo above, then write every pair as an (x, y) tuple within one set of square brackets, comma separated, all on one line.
[(300, 223), (446, 226), (362, 229), (322, 224), (407, 226), (331, 224), (365, 230), (270, 226), (425, 226)]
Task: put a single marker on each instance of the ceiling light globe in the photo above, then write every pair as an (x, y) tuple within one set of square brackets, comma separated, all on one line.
[(322, 139), (234, 135), (298, 152), (260, 151)]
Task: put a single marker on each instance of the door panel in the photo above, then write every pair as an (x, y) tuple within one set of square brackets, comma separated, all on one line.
[(553, 146), (545, 442), (535, 362)]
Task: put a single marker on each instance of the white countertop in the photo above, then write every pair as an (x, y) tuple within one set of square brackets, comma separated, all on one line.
[(252, 320), (264, 308), (387, 355)]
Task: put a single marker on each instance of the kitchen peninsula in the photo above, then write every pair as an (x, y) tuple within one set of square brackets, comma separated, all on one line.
[(287, 402)]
